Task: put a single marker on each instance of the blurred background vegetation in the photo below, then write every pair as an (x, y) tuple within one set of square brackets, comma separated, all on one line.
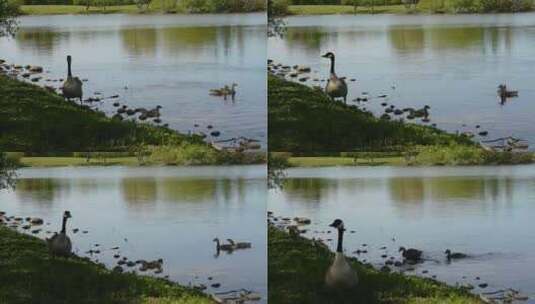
[(309, 7)]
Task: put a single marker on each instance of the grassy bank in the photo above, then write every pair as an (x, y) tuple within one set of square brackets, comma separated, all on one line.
[(297, 269), (33, 119), (152, 7), (304, 120), (80, 9), (423, 7), (48, 161), (344, 9), (30, 275), (334, 161), (36, 122)]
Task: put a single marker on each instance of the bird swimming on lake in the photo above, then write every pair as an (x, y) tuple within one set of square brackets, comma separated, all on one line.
[(72, 87), (224, 247), (340, 274), (239, 245), (411, 254), (503, 93), (60, 244), (454, 255), (225, 91), (336, 86)]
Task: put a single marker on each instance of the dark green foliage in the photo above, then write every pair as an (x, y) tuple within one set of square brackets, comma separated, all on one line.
[(88, 3), (7, 171), (296, 272), (315, 2), (29, 275), (34, 120), (276, 10), (302, 119), (277, 165), (224, 6), (9, 10)]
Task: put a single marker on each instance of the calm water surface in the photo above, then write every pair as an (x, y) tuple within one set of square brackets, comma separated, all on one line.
[(151, 213), (167, 60), (486, 212), (452, 63)]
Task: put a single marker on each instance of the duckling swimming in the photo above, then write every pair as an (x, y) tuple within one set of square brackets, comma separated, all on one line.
[(411, 254), (454, 255)]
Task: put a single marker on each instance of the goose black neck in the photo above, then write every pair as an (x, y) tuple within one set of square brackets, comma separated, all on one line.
[(69, 68), (332, 65), (340, 240), (64, 225)]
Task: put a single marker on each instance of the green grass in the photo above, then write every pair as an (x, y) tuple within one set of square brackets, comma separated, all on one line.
[(344, 9), (32, 119), (155, 7), (424, 7), (30, 275), (76, 9), (304, 120), (331, 161), (48, 161), (297, 268)]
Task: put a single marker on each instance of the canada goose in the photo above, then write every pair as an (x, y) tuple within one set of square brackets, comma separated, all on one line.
[(60, 244), (225, 91), (239, 245), (232, 91), (411, 254), (72, 87), (454, 255), (340, 274), (336, 87), (224, 247), (503, 93)]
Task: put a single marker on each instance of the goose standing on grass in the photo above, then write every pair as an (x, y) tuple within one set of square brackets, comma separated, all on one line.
[(336, 87), (60, 244), (72, 87), (340, 274)]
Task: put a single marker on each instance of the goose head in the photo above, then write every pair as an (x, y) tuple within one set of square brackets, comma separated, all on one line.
[(67, 214), (338, 224), (402, 249), (329, 55), (448, 252)]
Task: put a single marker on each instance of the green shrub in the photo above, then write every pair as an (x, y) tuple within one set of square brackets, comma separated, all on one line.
[(458, 155), (277, 165), (505, 6), (279, 7), (452, 155), (465, 6), (8, 166), (507, 158), (184, 155)]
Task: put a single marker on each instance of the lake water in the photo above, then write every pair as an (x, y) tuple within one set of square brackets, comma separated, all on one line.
[(453, 63), (167, 60), (156, 212), (485, 212)]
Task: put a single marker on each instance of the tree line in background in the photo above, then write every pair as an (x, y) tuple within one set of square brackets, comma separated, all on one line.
[(191, 6), (281, 7)]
